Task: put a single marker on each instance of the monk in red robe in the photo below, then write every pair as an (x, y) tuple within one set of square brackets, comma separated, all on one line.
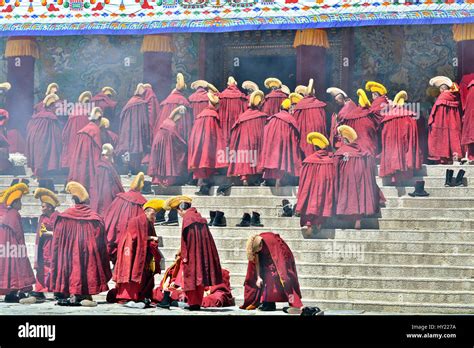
[(168, 158), (467, 139), (153, 105), (273, 99), (43, 140), (5, 164), (401, 153), (380, 101), (124, 207), (77, 120), (246, 141), (87, 152), (464, 88), (16, 274), (206, 147), (80, 264), (138, 258), (357, 192), (444, 123), (316, 191), (271, 274), (232, 103), (104, 100), (343, 101), (199, 100), (281, 154), (249, 87), (106, 135), (107, 182)]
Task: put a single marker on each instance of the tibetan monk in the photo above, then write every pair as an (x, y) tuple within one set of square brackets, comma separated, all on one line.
[(444, 123), (467, 139), (80, 264), (401, 153), (87, 152), (168, 158), (206, 145), (107, 182), (271, 274), (246, 141), (232, 103), (124, 207), (106, 135), (135, 134), (104, 100), (249, 87), (78, 119), (357, 192), (153, 105), (175, 99), (310, 116), (5, 164), (43, 139), (199, 100), (138, 258), (200, 260), (53, 88), (273, 99), (281, 154), (380, 101), (344, 102), (44, 239), (316, 191), (16, 274)]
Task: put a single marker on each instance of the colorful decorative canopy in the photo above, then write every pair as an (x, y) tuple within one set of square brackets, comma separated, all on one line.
[(73, 17)]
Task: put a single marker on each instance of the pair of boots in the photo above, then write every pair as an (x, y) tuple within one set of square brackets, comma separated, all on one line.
[(172, 218), (248, 220), (451, 181), (217, 219), (205, 190), (288, 209)]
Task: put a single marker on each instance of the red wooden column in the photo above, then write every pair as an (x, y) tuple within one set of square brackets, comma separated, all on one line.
[(157, 56), (21, 53), (311, 45)]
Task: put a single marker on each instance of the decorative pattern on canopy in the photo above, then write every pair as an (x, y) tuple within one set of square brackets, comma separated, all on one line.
[(74, 17)]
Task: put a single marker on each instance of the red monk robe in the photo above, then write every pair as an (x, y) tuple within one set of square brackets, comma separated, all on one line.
[(336, 120), (168, 158), (316, 198), (43, 142), (467, 139), (86, 156), (273, 101), (175, 99), (206, 145), (80, 263), (75, 122), (200, 260), (444, 129), (278, 271), (108, 137), (310, 117), (232, 102), (107, 105), (401, 153), (378, 107), (43, 252), (134, 273), (4, 144), (247, 138), (15, 270), (106, 187), (124, 207), (464, 88), (153, 106), (219, 295), (199, 100), (281, 153)]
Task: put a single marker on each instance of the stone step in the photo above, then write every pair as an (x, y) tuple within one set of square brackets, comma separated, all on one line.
[(440, 170), (430, 202)]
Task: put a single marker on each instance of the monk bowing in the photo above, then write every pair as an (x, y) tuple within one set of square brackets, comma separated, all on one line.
[(105, 101), (467, 139), (198, 99), (316, 191), (343, 102), (444, 123), (80, 264), (273, 100), (380, 101)]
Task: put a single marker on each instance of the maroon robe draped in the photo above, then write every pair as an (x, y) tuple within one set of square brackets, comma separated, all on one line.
[(273, 101), (310, 117), (232, 102), (80, 263), (108, 137), (74, 124), (43, 142), (200, 260), (219, 295), (278, 271), (281, 153), (15, 269), (378, 107), (107, 105), (198, 100), (175, 99), (124, 207), (86, 156), (153, 106), (106, 187), (464, 88), (467, 138), (401, 153), (168, 158), (444, 128), (246, 142), (316, 192), (336, 120), (43, 252)]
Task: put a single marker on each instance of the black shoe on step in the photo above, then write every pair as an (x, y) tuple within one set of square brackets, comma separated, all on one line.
[(419, 190), (224, 190), (204, 190), (193, 308), (38, 295), (160, 217), (212, 215), (166, 302), (219, 220), (172, 218), (245, 222), (459, 178), (255, 220), (287, 209), (146, 190), (449, 178), (12, 297), (267, 307)]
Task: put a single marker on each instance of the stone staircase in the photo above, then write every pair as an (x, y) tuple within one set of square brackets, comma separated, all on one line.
[(417, 256)]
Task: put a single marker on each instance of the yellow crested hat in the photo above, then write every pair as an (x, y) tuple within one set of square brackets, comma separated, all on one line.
[(47, 196), (213, 98), (347, 132), (180, 84), (363, 99), (174, 202), (317, 139), (138, 182), (147, 85), (178, 110), (438, 81), (77, 190), (310, 87), (156, 204), (272, 82), (256, 98), (5, 86), (252, 245), (13, 193), (212, 88), (109, 90), (231, 81), (50, 99), (375, 87), (107, 150), (140, 89), (400, 98), (85, 97), (50, 87), (285, 105), (199, 83), (95, 114), (285, 89), (334, 91), (104, 123), (300, 89), (250, 86), (295, 97)]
